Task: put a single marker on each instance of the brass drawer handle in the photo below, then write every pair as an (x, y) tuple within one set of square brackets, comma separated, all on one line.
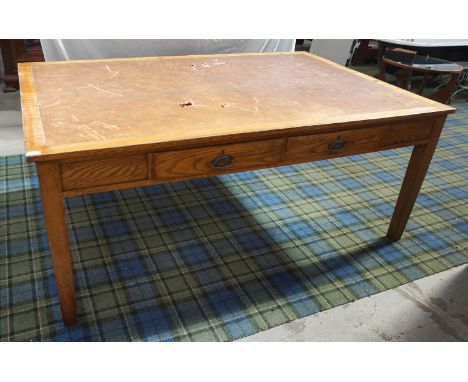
[(222, 161), (337, 145)]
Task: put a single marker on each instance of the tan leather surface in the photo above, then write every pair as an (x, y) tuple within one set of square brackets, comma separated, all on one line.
[(181, 98)]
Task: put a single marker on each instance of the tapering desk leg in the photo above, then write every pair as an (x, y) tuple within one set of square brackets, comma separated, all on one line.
[(415, 174), (57, 233)]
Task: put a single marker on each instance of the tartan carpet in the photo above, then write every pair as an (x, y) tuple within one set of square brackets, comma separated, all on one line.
[(221, 258)]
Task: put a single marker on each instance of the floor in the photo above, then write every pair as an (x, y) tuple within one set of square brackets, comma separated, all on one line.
[(434, 308)]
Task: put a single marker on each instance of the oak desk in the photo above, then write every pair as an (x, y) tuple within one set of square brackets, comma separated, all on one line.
[(101, 125)]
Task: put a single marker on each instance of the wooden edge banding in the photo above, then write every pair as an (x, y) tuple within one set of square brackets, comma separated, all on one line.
[(141, 145), (149, 58), (34, 138)]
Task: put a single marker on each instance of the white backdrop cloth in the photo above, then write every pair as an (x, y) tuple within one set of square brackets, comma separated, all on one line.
[(58, 50)]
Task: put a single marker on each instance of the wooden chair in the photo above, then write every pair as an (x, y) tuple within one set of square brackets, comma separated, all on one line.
[(405, 73), (462, 85)]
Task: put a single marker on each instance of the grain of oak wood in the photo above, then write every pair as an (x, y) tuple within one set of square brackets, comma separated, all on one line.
[(419, 163), (56, 225), (186, 164), (133, 122), (356, 141), (82, 174)]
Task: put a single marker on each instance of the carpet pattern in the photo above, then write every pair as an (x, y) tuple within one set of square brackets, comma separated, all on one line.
[(218, 259)]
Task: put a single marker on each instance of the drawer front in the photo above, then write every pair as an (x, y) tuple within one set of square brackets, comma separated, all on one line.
[(90, 173), (350, 142), (216, 160)]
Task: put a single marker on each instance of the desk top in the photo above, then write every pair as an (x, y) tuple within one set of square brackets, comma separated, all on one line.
[(73, 107)]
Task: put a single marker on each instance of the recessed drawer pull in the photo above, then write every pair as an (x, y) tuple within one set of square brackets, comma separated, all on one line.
[(222, 161), (337, 145)]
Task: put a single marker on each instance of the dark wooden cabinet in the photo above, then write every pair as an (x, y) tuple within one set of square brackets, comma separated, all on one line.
[(13, 52)]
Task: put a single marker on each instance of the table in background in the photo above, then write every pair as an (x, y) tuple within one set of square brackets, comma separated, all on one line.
[(447, 49)]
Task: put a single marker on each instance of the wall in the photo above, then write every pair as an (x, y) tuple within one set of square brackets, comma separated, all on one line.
[(335, 50)]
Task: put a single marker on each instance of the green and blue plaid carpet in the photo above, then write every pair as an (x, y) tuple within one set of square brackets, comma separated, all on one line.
[(221, 258)]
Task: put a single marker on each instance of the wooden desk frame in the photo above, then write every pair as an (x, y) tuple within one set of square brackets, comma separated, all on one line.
[(83, 169)]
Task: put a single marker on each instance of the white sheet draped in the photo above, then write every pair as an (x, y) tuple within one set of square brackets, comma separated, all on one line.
[(92, 49)]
